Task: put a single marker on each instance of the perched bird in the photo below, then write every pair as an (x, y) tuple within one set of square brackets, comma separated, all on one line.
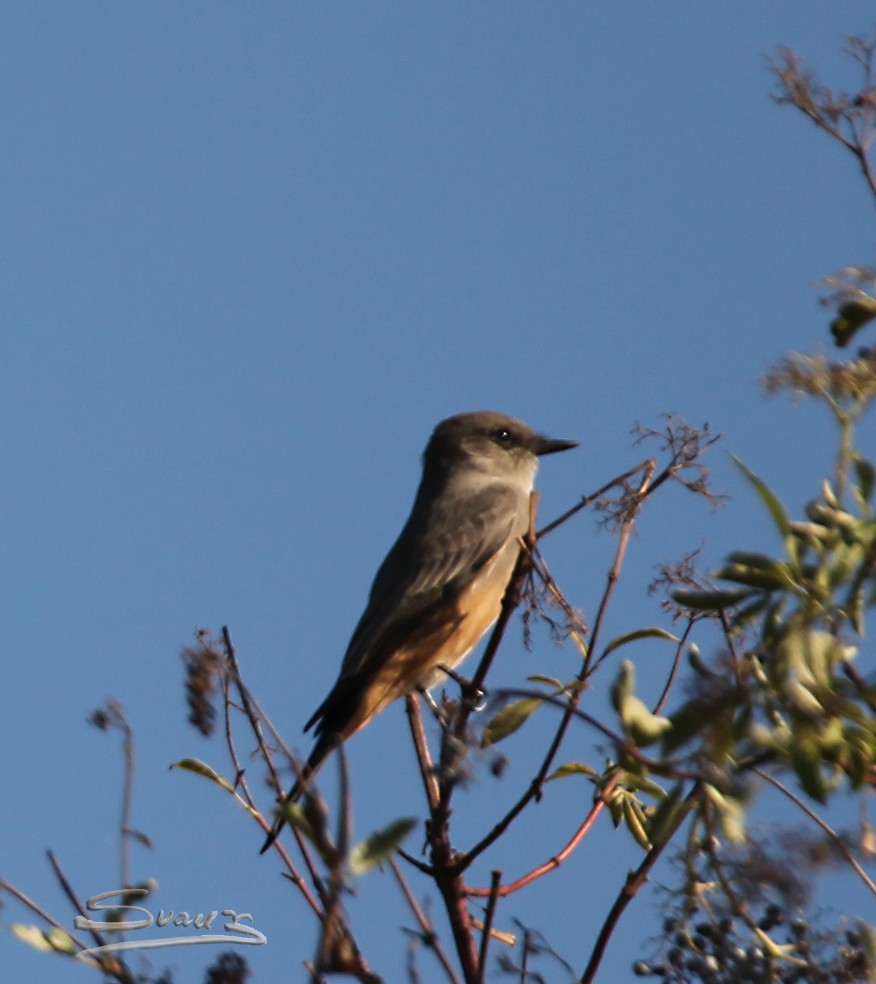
[(441, 585)]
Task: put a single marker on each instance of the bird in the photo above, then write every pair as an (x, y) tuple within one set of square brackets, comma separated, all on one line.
[(441, 585)]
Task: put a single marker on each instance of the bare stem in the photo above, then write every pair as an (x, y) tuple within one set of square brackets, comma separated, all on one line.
[(554, 862), (429, 935), (630, 888), (495, 882), (835, 838)]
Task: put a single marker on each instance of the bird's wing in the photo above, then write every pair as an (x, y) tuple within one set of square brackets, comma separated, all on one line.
[(423, 569)]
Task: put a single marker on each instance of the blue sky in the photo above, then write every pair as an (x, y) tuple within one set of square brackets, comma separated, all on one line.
[(252, 254)]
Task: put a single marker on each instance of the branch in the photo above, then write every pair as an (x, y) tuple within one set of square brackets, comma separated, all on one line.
[(424, 757), (835, 838), (495, 882), (630, 888), (109, 964), (553, 863), (251, 709), (125, 830), (830, 110), (428, 934), (446, 869), (587, 500), (39, 911), (673, 670)]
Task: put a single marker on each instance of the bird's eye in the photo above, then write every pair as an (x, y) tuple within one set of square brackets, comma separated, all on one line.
[(503, 437)]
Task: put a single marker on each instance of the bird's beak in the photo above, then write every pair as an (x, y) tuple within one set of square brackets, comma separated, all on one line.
[(546, 445)]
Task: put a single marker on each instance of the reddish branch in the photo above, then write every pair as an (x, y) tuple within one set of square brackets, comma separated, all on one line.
[(553, 863)]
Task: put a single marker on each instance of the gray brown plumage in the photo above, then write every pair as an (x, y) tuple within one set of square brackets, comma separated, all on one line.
[(441, 585)]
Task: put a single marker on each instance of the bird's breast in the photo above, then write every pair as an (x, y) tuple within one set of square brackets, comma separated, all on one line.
[(456, 630)]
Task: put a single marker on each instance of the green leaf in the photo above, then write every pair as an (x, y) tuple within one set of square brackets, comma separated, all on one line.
[(868, 939), (846, 559), (810, 654), (61, 941), (731, 814), (712, 600), (642, 784), (830, 517), (756, 577), (572, 769), (640, 724), (32, 935), (636, 821), (649, 633), (548, 681), (866, 474), (851, 316), (623, 686), (811, 534), (855, 609), (208, 772), (581, 644), (806, 759), (509, 719), (861, 754), (294, 815), (662, 820), (643, 726), (769, 498), (615, 804), (748, 559), (688, 720), (746, 613), (380, 845), (801, 699), (742, 722), (833, 737), (697, 664), (202, 769), (53, 940)]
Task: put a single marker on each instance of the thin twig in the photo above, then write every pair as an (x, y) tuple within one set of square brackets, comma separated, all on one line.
[(421, 866), (255, 713), (39, 911), (109, 963), (554, 862), (239, 771), (524, 961), (69, 891), (255, 716), (673, 671), (831, 833), (630, 888), (495, 883), (429, 935), (125, 832), (345, 813), (586, 500), (739, 905), (645, 486), (424, 757)]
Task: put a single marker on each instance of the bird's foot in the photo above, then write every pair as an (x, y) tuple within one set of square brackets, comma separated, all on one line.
[(470, 694)]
